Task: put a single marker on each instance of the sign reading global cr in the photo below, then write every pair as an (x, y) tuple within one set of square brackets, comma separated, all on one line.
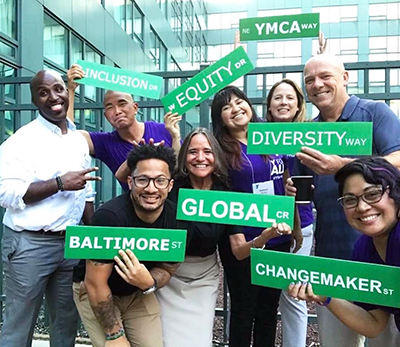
[(279, 27)]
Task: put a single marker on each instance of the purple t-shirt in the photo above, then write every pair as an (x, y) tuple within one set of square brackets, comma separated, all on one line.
[(112, 150), (254, 170), (364, 250), (305, 211)]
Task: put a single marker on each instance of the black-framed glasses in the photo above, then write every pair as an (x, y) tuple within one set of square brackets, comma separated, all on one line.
[(370, 196), (144, 181)]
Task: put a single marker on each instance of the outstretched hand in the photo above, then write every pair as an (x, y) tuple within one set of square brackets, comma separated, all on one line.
[(76, 180)]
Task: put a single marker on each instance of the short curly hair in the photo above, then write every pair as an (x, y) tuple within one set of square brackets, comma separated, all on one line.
[(151, 151), (375, 170)]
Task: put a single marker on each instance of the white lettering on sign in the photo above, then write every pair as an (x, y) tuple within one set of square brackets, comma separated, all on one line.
[(119, 79), (315, 277), (194, 93), (284, 27), (141, 244), (221, 209), (310, 138)]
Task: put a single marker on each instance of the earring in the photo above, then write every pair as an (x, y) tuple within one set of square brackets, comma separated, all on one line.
[(185, 170)]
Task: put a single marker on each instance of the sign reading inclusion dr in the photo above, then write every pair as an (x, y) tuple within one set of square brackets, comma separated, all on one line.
[(341, 138), (279, 27), (350, 280), (108, 77), (207, 82), (257, 210), (93, 242)]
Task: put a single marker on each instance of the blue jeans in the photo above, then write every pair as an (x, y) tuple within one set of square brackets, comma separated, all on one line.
[(34, 266)]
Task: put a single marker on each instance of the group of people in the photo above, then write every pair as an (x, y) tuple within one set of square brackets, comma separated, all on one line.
[(45, 187)]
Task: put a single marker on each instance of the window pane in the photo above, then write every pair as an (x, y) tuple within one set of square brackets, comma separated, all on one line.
[(55, 42), (76, 49), (7, 50), (8, 17)]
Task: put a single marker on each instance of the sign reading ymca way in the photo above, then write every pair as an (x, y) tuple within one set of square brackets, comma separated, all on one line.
[(341, 138), (279, 27), (350, 280), (93, 242), (257, 210), (108, 77), (207, 82)]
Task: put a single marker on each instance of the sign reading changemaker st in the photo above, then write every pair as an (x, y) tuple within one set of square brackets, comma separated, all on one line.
[(208, 82), (256, 210), (350, 280), (340, 138), (94, 242), (279, 27), (126, 81)]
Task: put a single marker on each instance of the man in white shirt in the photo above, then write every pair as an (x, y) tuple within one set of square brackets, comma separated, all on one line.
[(44, 174)]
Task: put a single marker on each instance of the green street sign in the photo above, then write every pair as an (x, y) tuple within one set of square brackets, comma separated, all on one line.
[(279, 27), (108, 77), (208, 82), (256, 210), (93, 242), (350, 280), (341, 138)]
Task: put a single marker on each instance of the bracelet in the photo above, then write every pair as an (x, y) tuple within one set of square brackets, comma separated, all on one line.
[(326, 302), (116, 335), (60, 183), (252, 245)]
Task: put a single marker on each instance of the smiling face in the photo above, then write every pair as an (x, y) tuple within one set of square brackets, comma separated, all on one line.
[(200, 160), (326, 80), (284, 103), (374, 220), (236, 114), (50, 96), (120, 109), (149, 199)]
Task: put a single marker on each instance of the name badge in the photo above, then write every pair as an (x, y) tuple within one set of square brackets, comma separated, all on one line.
[(266, 187)]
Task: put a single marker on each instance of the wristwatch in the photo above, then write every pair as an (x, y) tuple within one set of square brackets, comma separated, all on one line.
[(152, 289)]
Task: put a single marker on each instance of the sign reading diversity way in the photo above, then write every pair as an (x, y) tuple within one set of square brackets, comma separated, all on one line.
[(207, 82), (350, 280), (257, 210), (279, 27), (341, 138), (92, 242), (108, 77)]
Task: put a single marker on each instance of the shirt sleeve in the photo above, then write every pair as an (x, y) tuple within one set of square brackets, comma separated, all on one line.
[(16, 174)]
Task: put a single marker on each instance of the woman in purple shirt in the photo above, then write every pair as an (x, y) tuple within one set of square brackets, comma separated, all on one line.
[(251, 305), (370, 196), (286, 104)]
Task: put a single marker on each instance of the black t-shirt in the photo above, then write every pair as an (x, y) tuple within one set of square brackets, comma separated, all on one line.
[(119, 212), (204, 236)]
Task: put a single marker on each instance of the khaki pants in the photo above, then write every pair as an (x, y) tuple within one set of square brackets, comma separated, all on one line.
[(139, 314)]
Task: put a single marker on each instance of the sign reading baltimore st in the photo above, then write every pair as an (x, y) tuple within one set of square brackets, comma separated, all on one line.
[(126, 81), (279, 27), (350, 280), (257, 210), (93, 242), (341, 138), (207, 82)]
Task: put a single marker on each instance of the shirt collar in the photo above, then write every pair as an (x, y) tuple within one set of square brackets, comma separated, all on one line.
[(347, 111), (52, 127)]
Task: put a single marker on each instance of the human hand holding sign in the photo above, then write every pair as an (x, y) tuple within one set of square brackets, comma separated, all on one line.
[(303, 291), (320, 163), (75, 72), (132, 271)]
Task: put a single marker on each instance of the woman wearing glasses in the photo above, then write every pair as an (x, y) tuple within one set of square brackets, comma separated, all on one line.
[(370, 196)]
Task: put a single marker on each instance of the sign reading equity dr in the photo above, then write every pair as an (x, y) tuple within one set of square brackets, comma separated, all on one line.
[(341, 138), (93, 242), (207, 82), (126, 81), (257, 210), (350, 280), (279, 27)]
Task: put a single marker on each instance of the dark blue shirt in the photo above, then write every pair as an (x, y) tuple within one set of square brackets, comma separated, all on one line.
[(334, 237)]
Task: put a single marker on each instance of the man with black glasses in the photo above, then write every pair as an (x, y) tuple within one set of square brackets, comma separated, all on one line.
[(119, 307)]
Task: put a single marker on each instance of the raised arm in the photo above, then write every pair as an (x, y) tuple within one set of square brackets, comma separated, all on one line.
[(73, 73), (171, 121)]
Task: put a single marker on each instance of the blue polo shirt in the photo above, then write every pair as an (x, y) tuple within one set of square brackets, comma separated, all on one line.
[(334, 237)]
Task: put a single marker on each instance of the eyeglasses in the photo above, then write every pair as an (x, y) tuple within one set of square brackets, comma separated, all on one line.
[(371, 196), (144, 181)]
